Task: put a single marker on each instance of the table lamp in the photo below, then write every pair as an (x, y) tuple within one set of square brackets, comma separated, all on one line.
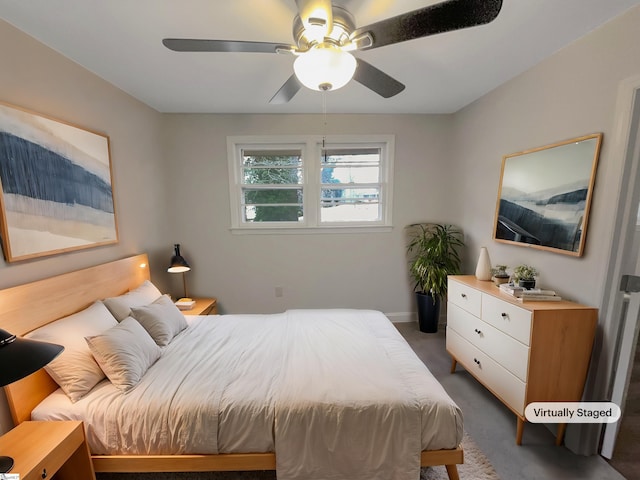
[(20, 357), (179, 265)]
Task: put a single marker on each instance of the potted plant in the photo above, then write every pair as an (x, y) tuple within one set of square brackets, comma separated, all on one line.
[(433, 252), (499, 274), (525, 275)]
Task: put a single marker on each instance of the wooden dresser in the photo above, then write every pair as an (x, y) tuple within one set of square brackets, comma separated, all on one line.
[(522, 352)]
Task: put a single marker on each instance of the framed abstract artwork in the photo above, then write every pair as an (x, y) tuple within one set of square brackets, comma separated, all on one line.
[(56, 190), (545, 195)]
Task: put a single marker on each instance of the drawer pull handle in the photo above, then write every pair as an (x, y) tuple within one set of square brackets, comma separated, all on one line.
[(476, 361), (479, 332), (44, 473), (504, 315), (463, 295)]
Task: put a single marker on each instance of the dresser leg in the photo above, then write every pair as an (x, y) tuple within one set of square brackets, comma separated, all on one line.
[(519, 431), (562, 427), (453, 365)]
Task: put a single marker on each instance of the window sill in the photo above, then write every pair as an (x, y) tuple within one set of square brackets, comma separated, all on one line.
[(310, 230)]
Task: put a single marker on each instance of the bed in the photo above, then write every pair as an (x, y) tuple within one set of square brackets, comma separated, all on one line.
[(281, 424)]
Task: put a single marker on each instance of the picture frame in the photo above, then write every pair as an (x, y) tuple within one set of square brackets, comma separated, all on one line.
[(56, 186), (545, 194)]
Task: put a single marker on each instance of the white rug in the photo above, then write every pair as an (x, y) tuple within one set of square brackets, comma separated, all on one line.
[(476, 467)]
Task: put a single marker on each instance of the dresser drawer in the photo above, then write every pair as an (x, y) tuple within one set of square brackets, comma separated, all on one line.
[(505, 350), (500, 381), (508, 318), (465, 297)]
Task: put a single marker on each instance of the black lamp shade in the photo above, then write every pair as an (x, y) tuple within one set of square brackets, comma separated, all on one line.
[(20, 357), (178, 263)]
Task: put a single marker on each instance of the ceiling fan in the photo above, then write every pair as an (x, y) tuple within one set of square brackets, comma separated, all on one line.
[(325, 35)]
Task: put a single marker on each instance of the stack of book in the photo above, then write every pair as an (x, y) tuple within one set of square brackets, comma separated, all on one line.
[(531, 295), (185, 304)]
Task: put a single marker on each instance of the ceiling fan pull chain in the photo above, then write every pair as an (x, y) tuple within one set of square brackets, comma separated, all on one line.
[(324, 120)]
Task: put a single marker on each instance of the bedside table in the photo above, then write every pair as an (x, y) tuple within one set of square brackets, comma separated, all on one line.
[(42, 449), (203, 306)]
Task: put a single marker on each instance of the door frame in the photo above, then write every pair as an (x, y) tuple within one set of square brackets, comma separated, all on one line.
[(626, 137)]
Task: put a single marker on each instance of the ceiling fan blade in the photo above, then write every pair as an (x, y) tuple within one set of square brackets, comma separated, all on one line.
[(287, 91), (376, 80), (199, 45), (441, 17)]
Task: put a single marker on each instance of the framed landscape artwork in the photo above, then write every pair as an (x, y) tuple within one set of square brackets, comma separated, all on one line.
[(545, 195), (56, 190)]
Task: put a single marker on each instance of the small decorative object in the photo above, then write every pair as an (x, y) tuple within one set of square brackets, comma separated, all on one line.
[(525, 275), (483, 267), (499, 274)]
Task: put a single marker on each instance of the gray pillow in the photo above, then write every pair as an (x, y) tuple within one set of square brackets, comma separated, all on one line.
[(124, 352), (75, 369), (161, 319), (120, 306)]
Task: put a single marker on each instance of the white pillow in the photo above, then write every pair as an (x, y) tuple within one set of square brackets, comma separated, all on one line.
[(124, 352), (120, 306), (161, 319), (75, 369)]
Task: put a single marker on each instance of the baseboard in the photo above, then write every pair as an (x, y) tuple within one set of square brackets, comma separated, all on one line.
[(402, 317), (409, 317)]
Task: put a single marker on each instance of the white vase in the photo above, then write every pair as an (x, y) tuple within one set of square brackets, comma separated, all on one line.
[(483, 268)]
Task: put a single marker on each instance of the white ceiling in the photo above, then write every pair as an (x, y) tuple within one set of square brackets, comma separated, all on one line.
[(120, 41)]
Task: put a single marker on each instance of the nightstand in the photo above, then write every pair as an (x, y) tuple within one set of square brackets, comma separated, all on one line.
[(42, 449), (203, 306)]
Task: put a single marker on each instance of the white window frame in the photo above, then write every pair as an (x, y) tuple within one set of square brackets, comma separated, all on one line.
[(311, 148)]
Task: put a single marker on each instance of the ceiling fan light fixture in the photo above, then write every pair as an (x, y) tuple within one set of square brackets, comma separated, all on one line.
[(325, 67), (315, 32), (316, 17)]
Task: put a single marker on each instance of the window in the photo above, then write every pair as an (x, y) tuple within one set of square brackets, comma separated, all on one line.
[(271, 186), (302, 183)]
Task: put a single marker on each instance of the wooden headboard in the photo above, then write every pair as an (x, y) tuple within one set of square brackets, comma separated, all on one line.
[(27, 307)]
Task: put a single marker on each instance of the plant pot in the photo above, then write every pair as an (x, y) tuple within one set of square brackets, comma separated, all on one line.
[(527, 283), (500, 280), (428, 312)]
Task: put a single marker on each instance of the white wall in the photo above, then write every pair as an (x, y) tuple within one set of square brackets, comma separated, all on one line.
[(570, 94), (324, 270)]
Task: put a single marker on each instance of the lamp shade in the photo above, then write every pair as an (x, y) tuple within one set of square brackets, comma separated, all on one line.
[(178, 263), (20, 357), (325, 67)]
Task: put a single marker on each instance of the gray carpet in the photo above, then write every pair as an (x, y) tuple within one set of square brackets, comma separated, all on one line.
[(476, 467)]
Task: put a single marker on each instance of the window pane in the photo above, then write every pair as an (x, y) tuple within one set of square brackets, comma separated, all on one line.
[(272, 205), (269, 196), (273, 176), (269, 158), (266, 213), (350, 205), (350, 166), (275, 167)]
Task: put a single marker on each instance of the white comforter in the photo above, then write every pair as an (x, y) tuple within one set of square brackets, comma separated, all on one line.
[(336, 394)]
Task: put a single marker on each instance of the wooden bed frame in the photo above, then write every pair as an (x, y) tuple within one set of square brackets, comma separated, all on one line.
[(27, 307)]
